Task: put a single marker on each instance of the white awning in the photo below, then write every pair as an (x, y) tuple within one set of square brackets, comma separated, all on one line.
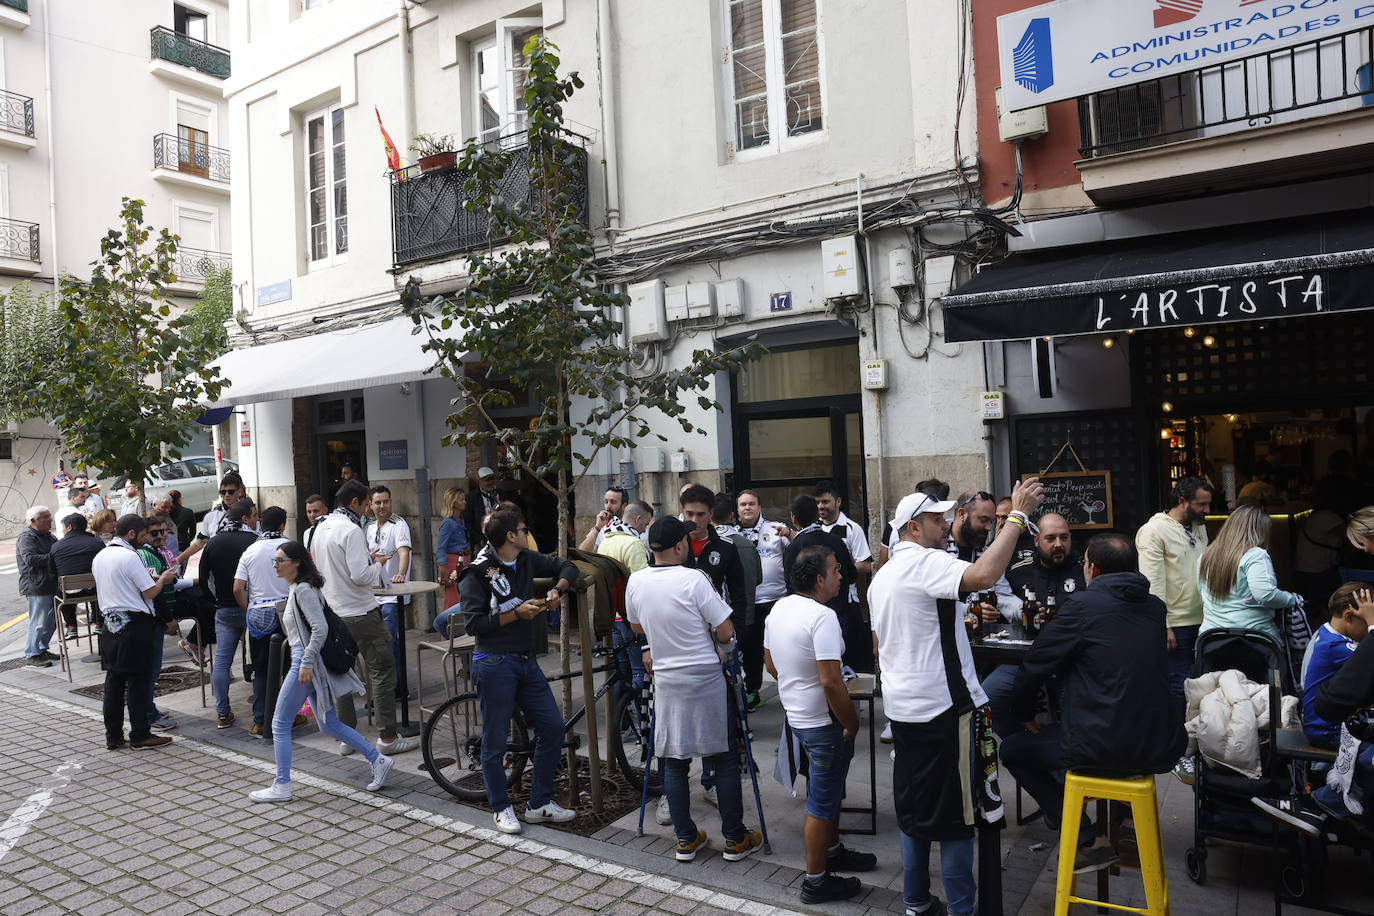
[(361, 357)]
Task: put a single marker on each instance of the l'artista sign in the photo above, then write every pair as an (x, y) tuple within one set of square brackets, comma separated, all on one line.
[(1207, 303), (1070, 48)]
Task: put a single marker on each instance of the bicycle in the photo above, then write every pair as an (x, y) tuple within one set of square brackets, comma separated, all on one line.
[(452, 738)]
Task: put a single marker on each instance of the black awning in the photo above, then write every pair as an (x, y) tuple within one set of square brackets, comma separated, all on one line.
[(1284, 268)]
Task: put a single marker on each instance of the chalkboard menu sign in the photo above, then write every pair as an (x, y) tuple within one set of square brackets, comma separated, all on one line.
[(1084, 498)]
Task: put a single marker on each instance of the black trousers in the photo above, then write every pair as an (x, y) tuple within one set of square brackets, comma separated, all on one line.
[(132, 689), (751, 647)]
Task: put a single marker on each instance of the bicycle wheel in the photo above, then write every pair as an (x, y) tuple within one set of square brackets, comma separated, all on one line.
[(629, 735), (452, 745)]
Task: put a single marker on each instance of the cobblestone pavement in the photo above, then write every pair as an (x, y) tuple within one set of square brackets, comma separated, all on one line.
[(171, 831)]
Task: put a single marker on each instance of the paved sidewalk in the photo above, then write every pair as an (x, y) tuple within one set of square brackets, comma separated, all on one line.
[(172, 832)]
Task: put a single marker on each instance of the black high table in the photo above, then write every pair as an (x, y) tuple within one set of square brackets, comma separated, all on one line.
[(404, 589)]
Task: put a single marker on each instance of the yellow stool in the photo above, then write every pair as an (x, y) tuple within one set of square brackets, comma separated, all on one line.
[(1139, 793)]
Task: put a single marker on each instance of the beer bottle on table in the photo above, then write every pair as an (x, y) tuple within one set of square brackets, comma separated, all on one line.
[(1028, 609)]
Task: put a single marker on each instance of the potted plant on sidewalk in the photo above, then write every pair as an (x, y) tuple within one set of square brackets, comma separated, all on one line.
[(434, 153)]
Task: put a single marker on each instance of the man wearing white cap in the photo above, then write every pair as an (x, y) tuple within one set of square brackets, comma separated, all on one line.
[(931, 692), (482, 501)]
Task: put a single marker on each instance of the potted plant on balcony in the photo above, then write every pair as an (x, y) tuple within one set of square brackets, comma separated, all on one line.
[(434, 153)]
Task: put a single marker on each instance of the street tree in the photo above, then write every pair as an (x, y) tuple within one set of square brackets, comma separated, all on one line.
[(139, 371), (31, 343), (532, 318)]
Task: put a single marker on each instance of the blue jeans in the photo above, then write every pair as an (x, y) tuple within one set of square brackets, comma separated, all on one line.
[(293, 694), (1181, 660), (155, 672), (828, 754), (1332, 800), (504, 681), (441, 621), (956, 871), (629, 656), (1036, 762), (230, 623), (729, 794), (391, 615), (42, 624), (998, 686)]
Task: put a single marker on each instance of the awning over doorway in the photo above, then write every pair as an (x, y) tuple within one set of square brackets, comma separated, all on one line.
[(366, 356), (1284, 268)]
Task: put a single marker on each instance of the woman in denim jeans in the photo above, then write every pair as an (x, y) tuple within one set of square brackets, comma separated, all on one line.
[(306, 627)]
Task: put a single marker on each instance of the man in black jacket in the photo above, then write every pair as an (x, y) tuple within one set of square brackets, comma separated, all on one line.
[(217, 567), (498, 597), (1117, 712), (73, 556), (805, 516), (713, 554), (37, 583)]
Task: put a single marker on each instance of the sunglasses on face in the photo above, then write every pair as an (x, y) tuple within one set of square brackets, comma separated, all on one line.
[(973, 498)]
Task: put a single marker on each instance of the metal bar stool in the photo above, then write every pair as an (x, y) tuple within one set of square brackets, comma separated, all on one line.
[(1139, 793), (73, 591)]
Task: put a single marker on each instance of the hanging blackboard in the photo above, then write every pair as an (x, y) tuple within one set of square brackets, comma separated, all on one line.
[(1084, 498)]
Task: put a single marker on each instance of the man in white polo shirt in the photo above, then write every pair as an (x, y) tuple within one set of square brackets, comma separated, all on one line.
[(802, 649), (388, 537), (930, 689)]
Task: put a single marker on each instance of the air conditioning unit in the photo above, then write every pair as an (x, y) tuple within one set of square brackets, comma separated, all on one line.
[(10, 430)]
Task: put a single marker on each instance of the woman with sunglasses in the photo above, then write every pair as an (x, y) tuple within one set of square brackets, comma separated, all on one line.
[(305, 626)]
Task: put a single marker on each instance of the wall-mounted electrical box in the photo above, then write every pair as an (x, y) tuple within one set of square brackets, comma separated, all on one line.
[(675, 301), (647, 320), (650, 459), (939, 276), (680, 463), (1020, 125), (840, 266), (901, 268), (701, 300), (730, 298), (875, 375)]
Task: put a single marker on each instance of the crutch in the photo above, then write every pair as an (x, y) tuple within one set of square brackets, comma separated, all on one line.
[(648, 755), (734, 673)]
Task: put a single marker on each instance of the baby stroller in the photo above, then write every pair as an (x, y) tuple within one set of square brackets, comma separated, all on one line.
[(1222, 811)]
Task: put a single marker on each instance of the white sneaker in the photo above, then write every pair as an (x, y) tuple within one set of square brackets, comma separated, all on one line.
[(506, 821), (277, 792), (381, 769), (398, 746), (710, 796), (662, 815), (552, 811), (886, 736), (345, 750)]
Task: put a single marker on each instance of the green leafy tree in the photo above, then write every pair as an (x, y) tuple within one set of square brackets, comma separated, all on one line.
[(532, 318), (214, 306), (140, 372), (31, 346)]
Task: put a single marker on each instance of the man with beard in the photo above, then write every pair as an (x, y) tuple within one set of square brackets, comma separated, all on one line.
[(1053, 570), (974, 516)]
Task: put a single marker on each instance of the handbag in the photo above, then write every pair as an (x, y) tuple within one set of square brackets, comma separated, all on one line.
[(339, 651)]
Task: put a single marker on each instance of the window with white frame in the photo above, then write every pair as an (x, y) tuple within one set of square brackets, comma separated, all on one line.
[(326, 190), (500, 73), (773, 72)]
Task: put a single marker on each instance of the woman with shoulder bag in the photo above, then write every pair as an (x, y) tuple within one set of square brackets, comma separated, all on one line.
[(306, 629)]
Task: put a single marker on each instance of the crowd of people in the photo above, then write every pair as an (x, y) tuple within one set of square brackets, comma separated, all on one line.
[(1110, 627)]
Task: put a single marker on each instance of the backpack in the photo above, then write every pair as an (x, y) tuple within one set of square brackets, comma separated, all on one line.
[(339, 651)]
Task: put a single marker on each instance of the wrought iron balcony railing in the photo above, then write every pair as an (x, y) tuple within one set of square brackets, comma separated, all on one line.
[(190, 157), (20, 5), (193, 265), (427, 215), (1303, 81), (190, 52), (18, 239), (16, 112)]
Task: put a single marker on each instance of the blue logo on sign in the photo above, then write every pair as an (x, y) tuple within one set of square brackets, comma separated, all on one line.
[(1032, 59)]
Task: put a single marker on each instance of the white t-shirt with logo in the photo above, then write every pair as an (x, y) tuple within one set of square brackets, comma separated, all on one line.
[(799, 632), (389, 539), (912, 637), (677, 607)]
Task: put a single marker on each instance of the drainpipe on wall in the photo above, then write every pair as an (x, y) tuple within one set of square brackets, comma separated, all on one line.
[(407, 62), (52, 154), (873, 326)]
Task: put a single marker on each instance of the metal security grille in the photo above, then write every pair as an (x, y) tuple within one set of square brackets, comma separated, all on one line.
[(428, 217), (1304, 362), (1104, 440)]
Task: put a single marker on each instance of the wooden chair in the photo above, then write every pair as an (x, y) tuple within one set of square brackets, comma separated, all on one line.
[(73, 591), (455, 658)]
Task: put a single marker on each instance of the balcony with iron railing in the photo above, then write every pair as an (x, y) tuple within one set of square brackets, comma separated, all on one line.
[(193, 265), (173, 47), (18, 247), (1292, 113), (16, 115), (428, 220), (190, 161)]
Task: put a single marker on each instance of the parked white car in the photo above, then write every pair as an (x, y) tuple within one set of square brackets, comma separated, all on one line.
[(194, 476)]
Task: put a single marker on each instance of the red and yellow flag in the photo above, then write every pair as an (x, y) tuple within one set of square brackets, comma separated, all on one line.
[(393, 158)]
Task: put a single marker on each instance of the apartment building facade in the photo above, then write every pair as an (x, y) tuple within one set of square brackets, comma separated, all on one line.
[(100, 102)]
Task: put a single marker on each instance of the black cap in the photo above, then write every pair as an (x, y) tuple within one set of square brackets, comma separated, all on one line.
[(667, 533)]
